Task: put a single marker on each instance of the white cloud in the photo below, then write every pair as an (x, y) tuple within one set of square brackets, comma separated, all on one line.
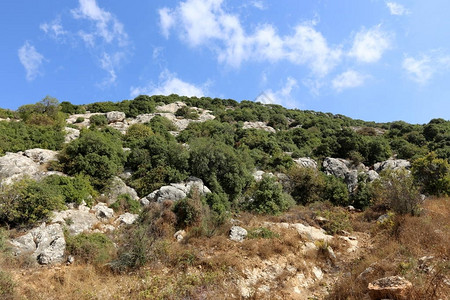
[(369, 45), (206, 23), (348, 79), (31, 60), (169, 84), (109, 63), (282, 96), (108, 28), (54, 29), (397, 9), (166, 21), (420, 70), (259, 5)]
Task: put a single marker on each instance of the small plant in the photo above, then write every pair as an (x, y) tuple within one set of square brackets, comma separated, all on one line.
[(126, 203), (262, 233), (338, 220), (94, 248), (79, 120), (98, 120)]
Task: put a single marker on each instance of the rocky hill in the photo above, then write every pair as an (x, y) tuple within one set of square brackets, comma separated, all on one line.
[(169, 197)]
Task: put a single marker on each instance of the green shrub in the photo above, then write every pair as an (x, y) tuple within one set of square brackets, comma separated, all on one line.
[(220, 207), (187, 112), (98, 120), (79, 120), (189, 211), (338, 220), (306, 185), (262, 233), (336, 191), (126, 203), (28, 202), (269, 197), (362, 196), (396, 191), (95, 248), (432, 174), (74, 189)]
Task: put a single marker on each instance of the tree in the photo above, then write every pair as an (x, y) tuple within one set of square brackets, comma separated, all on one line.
[(432, 174), (269, 197)]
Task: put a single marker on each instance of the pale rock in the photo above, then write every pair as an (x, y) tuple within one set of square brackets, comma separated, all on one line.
[(86, 122), (372, 175), (76, 220), (392, 164), (179, 235), (115, 116), (393, 287), (127, 218), (317, 273), (176, 191), (102, 211), (14, 166), (71, 134), (258, 125), (237, 233), (41, 156), (171, 107), (306, 162), (45, 243), (117, 188), (336, 166), (311, 233)]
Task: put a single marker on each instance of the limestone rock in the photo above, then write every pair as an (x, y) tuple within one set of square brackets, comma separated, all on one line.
[(392, 164), (336, 166), (72, 119), (76, 220), (117, 188), (179, 235), (258, 125), (258, 175), (177, 191), (237, 233), (393, 287), (41, 156), (171, 107), (372, 175), (71, 134), (14, 166), (306, 162), (115, 116), (311, 233), (45, 243), (351, 179), (102, 211), (127, 218)]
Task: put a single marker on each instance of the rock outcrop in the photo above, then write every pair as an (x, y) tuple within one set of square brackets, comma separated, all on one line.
[(237, 233), (394, 287), (306, 162), (14, 166), (45, 243), (392, 164), (117, 188), (176, 191), (115, 116), (71, 134), (41, 156), (76, 220), (258, 125)]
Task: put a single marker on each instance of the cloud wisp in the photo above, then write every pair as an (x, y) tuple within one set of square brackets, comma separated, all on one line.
[(31, 60), (397, 9), (168, 84), (348, 79), (421, 69), (282, 96), (370, 44)]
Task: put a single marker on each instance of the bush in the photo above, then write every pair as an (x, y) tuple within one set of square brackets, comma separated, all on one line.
[(190, 211), (28, 202), (79, 120), (396, 190), (98, 120), (187, 112), (432, 174), (262, 233), (335, 191), (306, 185), (95, 248), (97, 154), (74, 189), (126, 203), (269, 197)]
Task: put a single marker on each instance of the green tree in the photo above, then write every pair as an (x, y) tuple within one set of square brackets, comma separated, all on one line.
[(432, 174), (269, 197)]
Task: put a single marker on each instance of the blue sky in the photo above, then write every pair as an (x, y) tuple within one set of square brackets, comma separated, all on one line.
[(374, 60)]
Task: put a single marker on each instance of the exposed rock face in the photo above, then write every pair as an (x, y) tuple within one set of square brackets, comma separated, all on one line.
[(45, 243), (306, 162), (127, 218), (394, 287), (117, 188), (336, 166), (176, 191), (76, 220), (392, 164), (103, 212), (258, 125), (237, 233), (72, 119), (71, 134), (41, 156), (171, 108), (258, 175), (115, 116), (372, 175), (14, 166)]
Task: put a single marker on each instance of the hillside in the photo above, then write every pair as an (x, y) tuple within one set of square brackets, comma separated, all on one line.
[(171, 197)]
